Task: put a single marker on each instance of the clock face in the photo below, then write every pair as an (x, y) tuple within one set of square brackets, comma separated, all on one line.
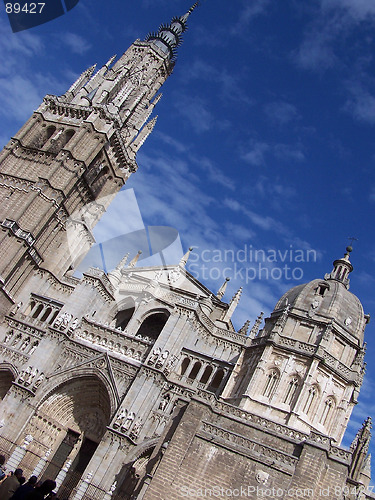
[(348, 321)]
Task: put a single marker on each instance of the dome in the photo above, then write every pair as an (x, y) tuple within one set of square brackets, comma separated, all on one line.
[(327, 299)]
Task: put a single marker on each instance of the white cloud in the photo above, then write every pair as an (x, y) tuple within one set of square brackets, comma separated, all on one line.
[(256, 155), (281, 112), (289, 152), (249, 11), (76, 43), (196, 112), (361, 104)]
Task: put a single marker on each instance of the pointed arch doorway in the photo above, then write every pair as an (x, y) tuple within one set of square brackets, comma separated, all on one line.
[(70, 422)]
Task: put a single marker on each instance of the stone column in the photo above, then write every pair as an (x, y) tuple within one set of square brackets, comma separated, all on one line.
[(109, 494), (41, 464), (82, 487), (18, 454), (62, 474)]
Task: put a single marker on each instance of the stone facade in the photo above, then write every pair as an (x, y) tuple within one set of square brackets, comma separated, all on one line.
[(134, 383)]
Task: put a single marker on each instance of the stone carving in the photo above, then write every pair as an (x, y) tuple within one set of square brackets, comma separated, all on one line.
[(164, 402), (161, 359), (62, 320), (31, 377), (136, 429), (15, 309), (261, 476), (169, 364)]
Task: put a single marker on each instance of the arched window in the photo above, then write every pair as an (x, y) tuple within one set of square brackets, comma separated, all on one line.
[(49, 132), (46, 313), (271, 384), (206, 375), (123, 317), (216, 381), (291, 390), (38, 310), (153, 325), (184, 365), (195, 370), (310, 399), (68, 134), (327, 411), (53, 317), (30, 307), (6, 379)]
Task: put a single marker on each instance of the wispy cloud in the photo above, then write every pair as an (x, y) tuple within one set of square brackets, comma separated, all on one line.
[(281, 112), (361, 103), (249, 11), (196, 112), (76, 43), (256, 155)]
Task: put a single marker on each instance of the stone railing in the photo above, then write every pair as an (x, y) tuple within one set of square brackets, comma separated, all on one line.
[(114, 340)]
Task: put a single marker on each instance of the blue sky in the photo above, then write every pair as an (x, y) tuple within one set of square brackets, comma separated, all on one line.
[(264, 137)]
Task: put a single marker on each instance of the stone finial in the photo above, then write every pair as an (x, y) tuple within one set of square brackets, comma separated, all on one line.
[(221, 291), (122, 262), (143, 134), (255, 329), (185, 258), (244, 329), (359, 449), (133, 262), (110, 61), (232, 305)]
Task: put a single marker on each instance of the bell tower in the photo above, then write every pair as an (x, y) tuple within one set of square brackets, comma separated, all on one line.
[(66, 164)]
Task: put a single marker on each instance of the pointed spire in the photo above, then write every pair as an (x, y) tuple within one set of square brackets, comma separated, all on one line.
[(341, 269), (221, 291), (104, 69), (90, 96), (82, 79), (143, 134), (359, 449), (232, 305), (185, 258), (244, 329), (133, 262), (122, 262), (255, 329), (367, 466), (110, 61), (168, 38)]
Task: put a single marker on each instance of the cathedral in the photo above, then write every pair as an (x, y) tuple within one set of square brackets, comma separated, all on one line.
[(134, 383)]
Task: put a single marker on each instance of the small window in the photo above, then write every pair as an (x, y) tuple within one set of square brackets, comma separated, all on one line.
[(38, 310), (206, 375), (195, 370), (184, 366), (322, 289), (291, 391), (271, 384), (219, 375)]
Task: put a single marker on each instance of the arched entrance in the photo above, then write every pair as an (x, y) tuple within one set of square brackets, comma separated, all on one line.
[(70, 422), (6, 379)]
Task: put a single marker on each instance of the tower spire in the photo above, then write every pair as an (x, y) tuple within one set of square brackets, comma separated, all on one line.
[(169, 37), (341, 269)]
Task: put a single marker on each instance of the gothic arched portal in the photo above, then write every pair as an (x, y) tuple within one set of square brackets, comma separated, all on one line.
[(70, 421), (6, 379)]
